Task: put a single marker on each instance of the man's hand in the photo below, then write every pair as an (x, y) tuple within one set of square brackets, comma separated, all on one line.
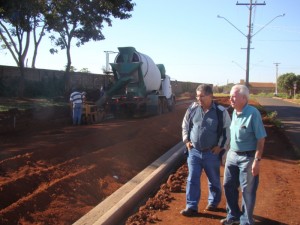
[(189, 145), (255, 168), (216, 150)]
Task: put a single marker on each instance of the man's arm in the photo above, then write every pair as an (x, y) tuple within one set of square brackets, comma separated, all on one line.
[(224, 140), (258, 155), (185, 127)]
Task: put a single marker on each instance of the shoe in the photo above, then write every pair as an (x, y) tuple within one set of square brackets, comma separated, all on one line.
[(211, 208), (225, 221), (189, 212)]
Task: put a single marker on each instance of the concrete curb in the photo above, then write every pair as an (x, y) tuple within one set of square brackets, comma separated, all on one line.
[(118, 205)]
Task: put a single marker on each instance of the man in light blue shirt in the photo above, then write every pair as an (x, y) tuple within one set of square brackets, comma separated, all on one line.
[(247, 138)]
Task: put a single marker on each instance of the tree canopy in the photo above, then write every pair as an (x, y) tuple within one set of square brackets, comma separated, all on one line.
[(287, 81), (16, 23), (82, 20), (17, 20)]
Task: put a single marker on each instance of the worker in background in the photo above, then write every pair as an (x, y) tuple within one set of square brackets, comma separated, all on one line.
[(83, 97), (205, 132), (76, 100), (101, 93)]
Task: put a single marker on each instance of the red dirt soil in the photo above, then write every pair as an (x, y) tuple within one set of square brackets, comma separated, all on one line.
[(54, 173)]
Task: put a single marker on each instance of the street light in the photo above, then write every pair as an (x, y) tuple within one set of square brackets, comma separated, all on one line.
[(268, 23), (221, 17), (107, 59), (249, 36)]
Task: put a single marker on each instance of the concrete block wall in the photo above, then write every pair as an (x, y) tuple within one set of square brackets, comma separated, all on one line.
[(85, 80)]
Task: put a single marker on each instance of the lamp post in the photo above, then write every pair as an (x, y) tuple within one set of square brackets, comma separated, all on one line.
[(249, 36)]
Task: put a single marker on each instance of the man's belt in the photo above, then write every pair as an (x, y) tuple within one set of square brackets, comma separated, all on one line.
[(248, 153), (203, 149)]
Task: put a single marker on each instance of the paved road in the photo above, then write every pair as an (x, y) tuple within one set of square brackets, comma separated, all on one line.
[(288, 113)]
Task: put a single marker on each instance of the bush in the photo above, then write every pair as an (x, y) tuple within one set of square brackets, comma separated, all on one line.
[(297, 96)]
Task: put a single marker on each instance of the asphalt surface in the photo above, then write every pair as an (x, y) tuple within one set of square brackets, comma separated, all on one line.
[(288, 113)]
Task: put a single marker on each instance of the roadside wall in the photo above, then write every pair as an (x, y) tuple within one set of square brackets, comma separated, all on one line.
[(86, 80), (9, 74)]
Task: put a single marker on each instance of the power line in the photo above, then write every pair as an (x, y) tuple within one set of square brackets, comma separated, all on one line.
[(250, 30)]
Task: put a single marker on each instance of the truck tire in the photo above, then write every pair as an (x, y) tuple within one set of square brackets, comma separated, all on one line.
[(159, 107), (171, 106), (164, 105)]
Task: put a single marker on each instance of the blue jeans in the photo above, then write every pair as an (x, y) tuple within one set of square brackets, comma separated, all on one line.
[(210, 163), (77, 114), (237, 174)]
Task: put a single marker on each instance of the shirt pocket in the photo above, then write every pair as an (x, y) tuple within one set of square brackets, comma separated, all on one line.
[(211, 124), (244, 133)]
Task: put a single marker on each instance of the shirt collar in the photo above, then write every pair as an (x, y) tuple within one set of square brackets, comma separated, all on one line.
[(213, 105), (243, 111)]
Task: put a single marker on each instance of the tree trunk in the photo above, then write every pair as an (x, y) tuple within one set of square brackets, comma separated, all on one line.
[(68, 67), (21, 81)]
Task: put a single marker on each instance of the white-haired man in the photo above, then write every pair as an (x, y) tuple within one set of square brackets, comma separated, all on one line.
[(247, 138)]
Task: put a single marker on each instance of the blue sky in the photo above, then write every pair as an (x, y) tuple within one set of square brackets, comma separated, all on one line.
[(193, 43)]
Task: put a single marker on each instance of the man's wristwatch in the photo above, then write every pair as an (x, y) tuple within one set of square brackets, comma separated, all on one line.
[(257, 159)]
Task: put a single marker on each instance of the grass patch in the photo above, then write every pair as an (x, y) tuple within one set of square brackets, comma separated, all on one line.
[(28, 103), (272, 117)]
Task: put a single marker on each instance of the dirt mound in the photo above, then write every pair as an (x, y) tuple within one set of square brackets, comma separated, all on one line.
[(162, 199)]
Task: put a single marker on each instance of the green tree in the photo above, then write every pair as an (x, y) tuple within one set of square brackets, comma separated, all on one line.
[(17, 20), (84, 70), (82, 20), (286, 82), (298, 83), (39, 26), (73, 69)]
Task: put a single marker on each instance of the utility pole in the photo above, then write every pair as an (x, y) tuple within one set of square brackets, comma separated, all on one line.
[(249, 36), (276, 87)]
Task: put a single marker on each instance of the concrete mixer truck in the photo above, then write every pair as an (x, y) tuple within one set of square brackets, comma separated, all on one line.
[(140, 86)]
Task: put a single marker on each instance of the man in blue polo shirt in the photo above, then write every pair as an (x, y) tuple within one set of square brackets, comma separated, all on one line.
[(205, 132), (247, 138)]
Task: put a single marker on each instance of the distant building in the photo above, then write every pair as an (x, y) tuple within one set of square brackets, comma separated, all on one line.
[(260, 87)]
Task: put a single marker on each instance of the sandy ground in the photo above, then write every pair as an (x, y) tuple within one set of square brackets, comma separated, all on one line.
[(54, 173)]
